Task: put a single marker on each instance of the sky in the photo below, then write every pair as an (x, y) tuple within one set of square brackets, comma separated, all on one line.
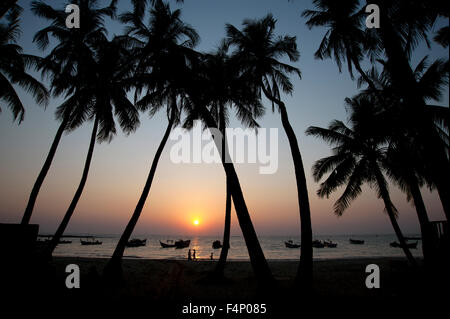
[(183, 192)]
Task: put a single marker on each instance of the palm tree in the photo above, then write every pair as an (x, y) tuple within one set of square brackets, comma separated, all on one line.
[(358, 157), (102, 95), (405, 24), (258, 49), (225, 90), (197, 106), (344, 40), (431, 80), (13, 68), (66, 66), (165, 43)]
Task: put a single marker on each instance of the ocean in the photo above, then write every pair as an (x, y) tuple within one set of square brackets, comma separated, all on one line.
[(273, 247)]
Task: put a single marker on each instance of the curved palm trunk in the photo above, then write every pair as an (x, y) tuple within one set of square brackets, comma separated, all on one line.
[(444, 196), (43, 173), (422, 216), (390, 211), (220, 267), (62, 227), (305, 268), (114, 263), (256, 254)]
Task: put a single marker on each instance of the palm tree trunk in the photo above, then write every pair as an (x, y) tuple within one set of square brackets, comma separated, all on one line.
[(444, 195), (220, 267), (390, 211), (62, 227), (43, 173), (257, 259), (114, 263), (305, 268), (422, 216)]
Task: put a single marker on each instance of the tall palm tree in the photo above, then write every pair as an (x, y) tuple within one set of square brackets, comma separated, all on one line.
[(102, 95), (431, 80), (258, 50), (197, 105), (13, 68), (66, 65), (227, 89), (165, 43), (405, 25), (358, 157), (344, 40)]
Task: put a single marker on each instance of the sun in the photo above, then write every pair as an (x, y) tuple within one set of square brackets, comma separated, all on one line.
[(196, 222)]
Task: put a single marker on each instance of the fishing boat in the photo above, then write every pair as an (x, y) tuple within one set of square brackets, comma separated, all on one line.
[(90, 241), (137, 242), (317, 244), (408, 245), (168, 244), (329, 244), (356, 241), (182, 243), (291, 244), (216, 244)]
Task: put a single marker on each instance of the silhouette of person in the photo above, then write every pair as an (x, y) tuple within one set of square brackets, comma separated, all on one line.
[(194, 256), (189, 255), (212, 256)]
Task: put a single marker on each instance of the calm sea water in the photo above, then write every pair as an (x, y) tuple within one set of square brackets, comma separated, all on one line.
[(273, 246)]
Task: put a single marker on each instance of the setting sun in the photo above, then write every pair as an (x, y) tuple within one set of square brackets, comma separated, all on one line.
[(196, 222)]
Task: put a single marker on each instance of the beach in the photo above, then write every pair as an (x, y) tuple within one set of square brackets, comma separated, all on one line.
[(178, 280)]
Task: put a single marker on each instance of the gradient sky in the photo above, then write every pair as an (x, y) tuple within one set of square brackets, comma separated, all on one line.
[(182, 192)]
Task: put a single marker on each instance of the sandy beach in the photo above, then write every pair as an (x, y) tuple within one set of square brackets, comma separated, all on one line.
[(178, 280)]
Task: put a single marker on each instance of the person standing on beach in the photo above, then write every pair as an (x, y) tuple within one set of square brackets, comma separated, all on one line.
[(212, 256), (189, 255), (194, 257)]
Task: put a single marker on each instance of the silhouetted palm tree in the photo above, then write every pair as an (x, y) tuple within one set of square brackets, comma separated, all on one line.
[(258, 50), (197, 106), (162, 55), (102, 96), (358, 157), (431, 81), (405, 25), (67, 66), (344, 39), (13, 68), (227, 89)]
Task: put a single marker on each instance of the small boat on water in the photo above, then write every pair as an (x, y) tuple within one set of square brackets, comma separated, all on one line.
[(329, 244), (182, 243), (408, 245), (177, 244), (216, 244), (90, 241), (168, 244), (356, 241), (291, 244), (137, 242), (317, 244)]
